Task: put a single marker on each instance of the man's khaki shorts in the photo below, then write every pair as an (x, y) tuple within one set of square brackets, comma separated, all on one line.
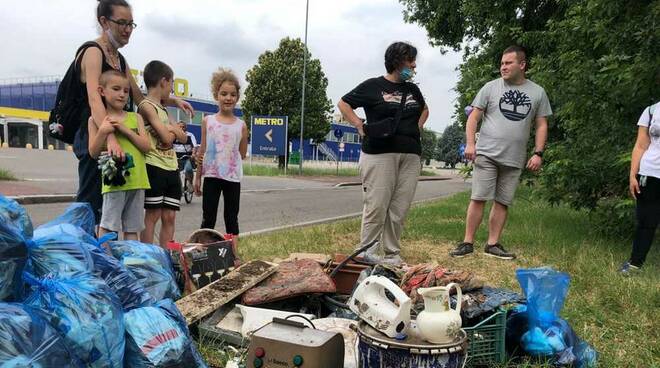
[(492, 181)]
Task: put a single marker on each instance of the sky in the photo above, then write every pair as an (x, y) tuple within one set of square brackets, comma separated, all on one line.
[(349, 37)]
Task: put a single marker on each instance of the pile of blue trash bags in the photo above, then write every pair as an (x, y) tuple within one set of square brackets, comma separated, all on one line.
[(66, 301), (536, 326)]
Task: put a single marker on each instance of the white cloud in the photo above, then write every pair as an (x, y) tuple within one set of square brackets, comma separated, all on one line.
[(195, 37)]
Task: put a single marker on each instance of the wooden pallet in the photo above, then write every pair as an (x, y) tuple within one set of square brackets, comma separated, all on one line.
[(218, 293)]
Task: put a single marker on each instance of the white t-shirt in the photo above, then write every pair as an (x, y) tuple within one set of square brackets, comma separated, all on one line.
[(650, 163)]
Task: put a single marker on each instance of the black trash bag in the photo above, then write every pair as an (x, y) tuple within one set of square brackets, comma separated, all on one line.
[(28, 340), (151, 264), (86, 312), (158, 337)]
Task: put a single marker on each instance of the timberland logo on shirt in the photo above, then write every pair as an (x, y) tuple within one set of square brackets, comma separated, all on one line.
[(515, 105)]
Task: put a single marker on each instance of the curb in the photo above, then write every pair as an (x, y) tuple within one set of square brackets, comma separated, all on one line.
[(62, 198), (44, 198), (421, 178)]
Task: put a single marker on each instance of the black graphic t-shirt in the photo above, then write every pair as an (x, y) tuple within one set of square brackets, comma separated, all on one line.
[(380, 99), (509, 111)]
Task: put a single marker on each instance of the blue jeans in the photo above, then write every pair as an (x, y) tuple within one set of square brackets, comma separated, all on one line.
[(188, 167)]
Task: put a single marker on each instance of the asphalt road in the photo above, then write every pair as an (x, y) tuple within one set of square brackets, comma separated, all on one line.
[(266, 202), (266, 209)]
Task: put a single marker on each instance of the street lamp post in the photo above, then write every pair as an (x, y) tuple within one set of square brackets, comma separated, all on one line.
[(302, 108)]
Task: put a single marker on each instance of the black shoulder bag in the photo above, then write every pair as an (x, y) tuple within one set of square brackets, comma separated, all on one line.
[(70, 107), (387, 127)]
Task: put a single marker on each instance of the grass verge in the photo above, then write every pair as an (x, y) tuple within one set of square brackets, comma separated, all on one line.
[(616, 315), (293, 170), (6, 175)]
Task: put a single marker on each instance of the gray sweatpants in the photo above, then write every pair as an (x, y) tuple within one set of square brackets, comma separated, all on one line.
[(389, 181)]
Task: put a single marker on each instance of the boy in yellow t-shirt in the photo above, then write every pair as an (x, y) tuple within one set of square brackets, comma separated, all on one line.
[(122, 204), (162, 200)]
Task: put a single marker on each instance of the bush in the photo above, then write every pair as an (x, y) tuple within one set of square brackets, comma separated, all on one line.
[(614, 217)]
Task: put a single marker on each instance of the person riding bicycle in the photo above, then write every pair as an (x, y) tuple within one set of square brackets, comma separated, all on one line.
[(184, 149)]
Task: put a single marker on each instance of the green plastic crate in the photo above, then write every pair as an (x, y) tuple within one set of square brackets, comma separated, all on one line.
[(486, 341)]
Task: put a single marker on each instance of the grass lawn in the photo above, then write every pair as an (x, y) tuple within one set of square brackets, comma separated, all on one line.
[(617, 315), (6, 175), (294, 170)]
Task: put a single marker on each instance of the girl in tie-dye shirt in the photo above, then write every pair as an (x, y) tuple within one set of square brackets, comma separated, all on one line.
[(223, 148)]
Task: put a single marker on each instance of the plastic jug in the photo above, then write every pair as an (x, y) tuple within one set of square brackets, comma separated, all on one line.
[(372, 305)]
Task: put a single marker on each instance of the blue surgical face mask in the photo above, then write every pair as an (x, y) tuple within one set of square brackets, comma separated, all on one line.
[(406, 74), (113, 40)]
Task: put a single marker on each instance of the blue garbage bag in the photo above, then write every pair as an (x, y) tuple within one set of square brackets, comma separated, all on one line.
[(14, 213), (158, 337), (13, 256), (86, 312), (545, 291), (78, 214), (558, 344), (123, 283), (28, 340), (54, 251), (546, 334), (151, 264)]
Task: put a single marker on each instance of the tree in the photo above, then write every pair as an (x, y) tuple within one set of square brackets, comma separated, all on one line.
[(449, 145), (274, 88), (597, 83), (429, 141)]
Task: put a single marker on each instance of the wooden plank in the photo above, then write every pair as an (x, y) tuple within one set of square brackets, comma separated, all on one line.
[(216, 294)]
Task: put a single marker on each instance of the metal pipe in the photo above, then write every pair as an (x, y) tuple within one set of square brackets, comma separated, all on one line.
[(302, 108), (330, 299)]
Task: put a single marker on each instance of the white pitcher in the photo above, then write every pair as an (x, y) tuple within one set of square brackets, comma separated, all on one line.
[(438, 323)]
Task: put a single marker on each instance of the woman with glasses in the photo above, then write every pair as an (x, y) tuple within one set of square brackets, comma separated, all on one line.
[(95, 57)]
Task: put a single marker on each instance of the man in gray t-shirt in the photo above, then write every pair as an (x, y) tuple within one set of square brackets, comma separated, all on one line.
[(507, 106)]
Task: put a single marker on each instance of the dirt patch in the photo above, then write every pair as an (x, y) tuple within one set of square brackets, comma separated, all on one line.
[(254, 268), (238, 280), (224, 285)]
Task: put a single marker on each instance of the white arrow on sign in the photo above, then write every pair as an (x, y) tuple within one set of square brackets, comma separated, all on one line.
[(269, 135)]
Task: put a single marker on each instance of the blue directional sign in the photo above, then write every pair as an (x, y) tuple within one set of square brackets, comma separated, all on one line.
[(269, 135), (338, 133)]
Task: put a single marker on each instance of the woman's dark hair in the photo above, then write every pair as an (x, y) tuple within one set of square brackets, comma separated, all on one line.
[(104, 9), (398, 53)]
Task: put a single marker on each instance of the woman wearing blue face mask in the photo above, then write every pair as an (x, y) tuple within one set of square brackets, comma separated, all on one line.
[(391, 149), (115, 19)]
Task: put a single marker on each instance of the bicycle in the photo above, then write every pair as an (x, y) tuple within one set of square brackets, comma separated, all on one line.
[(187, 190)]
